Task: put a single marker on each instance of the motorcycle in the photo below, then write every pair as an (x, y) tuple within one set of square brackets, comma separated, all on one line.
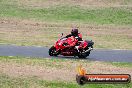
[(82, 49)]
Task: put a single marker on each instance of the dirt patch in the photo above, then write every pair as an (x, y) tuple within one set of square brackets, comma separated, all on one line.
[(45, 73), (16, 21), (26, 27), (28, 32), (66, 73)]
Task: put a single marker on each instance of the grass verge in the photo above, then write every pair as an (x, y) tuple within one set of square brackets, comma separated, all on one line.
[(53, 62), (29, 66), (27, 35), (33, 82)]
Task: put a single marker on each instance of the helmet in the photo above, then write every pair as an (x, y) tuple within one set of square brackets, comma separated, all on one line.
[(74, 32)]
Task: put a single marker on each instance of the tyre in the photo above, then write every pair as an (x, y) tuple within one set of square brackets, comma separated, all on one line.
[(83, 55), (53, 52)]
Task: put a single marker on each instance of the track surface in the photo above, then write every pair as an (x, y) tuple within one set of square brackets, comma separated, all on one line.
[(97, 54)]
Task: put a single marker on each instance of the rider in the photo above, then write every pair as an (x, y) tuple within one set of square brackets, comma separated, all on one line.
[(76, 34)]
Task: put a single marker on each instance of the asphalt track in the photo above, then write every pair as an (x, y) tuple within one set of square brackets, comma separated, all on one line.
[(96, 54)]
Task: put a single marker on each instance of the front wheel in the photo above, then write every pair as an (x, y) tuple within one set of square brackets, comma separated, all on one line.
[(53, 52)]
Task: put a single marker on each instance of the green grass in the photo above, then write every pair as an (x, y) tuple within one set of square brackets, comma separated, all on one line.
[(33, 61), (33, 82), (44, 62), (112, 42), (122, 64), (117, 16), (36, 82), (54, 62)]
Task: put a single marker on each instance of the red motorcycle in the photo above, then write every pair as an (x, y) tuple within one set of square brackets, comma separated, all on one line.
[(81, 49)]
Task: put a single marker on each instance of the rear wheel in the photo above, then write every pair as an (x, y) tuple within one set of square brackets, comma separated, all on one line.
[(53, 52), (83, 55)]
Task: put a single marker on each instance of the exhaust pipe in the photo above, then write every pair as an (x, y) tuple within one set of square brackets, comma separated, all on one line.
[(89, 49)]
